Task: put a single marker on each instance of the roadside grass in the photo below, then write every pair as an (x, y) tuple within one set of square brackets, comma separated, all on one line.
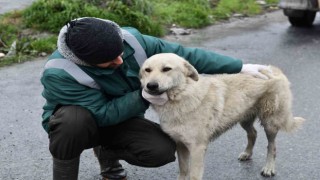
[(188, 13), (272, 1), (226, 8), (33, 31)]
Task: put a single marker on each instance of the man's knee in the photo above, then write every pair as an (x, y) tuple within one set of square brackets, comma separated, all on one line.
[(156, 155), (72, 121), (161, 154), (71, 130)]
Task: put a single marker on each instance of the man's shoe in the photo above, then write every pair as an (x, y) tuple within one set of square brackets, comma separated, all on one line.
[(111, 169)]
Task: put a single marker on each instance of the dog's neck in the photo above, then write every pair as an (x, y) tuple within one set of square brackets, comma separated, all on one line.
[(182, 92), (178, 101), (185, 92)]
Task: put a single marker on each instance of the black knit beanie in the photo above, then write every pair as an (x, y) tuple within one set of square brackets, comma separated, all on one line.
[(93, 40)]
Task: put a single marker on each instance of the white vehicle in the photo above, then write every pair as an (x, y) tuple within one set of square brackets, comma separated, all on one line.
[(300, 12)]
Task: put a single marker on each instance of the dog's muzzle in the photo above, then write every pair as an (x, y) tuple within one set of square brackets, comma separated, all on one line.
[(153, 88), (160, 99)]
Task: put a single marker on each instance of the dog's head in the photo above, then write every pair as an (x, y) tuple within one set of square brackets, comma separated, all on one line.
[(166, 71)]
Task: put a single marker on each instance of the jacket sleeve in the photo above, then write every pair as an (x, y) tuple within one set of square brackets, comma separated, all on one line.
[(204, 61), (60, 88)]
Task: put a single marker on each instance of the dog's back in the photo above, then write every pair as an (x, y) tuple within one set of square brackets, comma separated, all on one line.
[(254, 97)]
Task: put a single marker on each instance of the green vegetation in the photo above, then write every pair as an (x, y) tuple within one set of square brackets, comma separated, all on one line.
[(33, 31), (226, 8), (272, 1), (185, 13)]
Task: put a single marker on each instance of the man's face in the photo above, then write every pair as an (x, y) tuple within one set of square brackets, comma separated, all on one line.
[(112, 64)]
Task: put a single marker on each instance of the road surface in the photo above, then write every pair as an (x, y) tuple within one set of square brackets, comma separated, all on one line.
[(10, 5)]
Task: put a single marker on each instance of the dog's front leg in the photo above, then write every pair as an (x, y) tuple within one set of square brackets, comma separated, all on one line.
[(183, 158), (197, 153)]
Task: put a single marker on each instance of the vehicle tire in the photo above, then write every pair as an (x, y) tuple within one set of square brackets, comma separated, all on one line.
[(305, 20)]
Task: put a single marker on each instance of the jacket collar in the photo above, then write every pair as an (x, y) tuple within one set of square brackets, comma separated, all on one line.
[(129, 51)]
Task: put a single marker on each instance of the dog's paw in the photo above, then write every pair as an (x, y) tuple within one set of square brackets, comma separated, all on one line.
[(244, 156), (183, 177), (268, 171)]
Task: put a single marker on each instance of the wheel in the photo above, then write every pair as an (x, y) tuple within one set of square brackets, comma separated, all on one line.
[(306, 20), (301, 18)]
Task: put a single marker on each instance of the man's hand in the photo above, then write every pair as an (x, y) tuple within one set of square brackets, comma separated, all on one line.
[(155, 99), (254, 70)]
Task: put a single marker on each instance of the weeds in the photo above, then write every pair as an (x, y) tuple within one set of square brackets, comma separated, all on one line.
[(226, 8)]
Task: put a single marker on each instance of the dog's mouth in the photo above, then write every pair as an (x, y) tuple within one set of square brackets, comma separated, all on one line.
[(154, 92)]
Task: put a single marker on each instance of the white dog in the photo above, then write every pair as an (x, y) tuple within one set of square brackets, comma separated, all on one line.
[(200, 108)]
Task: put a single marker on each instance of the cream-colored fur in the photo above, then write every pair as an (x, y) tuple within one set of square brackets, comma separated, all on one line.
[(200, 108)]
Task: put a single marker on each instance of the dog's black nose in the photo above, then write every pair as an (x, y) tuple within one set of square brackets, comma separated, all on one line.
[(152, 86)]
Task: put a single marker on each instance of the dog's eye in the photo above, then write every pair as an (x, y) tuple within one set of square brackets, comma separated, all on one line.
[(166, 69), (148, 70)]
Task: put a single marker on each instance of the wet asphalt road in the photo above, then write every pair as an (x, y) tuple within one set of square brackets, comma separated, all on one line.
[(10, 5), (268, 39)]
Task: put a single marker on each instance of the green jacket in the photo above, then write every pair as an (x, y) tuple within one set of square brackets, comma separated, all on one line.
[(120, 98)]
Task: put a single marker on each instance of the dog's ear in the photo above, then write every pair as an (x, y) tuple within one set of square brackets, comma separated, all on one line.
[(191, 71)]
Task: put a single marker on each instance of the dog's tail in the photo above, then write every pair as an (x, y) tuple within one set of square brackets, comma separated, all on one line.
[(282, 84), (293, 124)]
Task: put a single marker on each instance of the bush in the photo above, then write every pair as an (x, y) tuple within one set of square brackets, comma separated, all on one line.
[(150, 17), (52, 15)]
